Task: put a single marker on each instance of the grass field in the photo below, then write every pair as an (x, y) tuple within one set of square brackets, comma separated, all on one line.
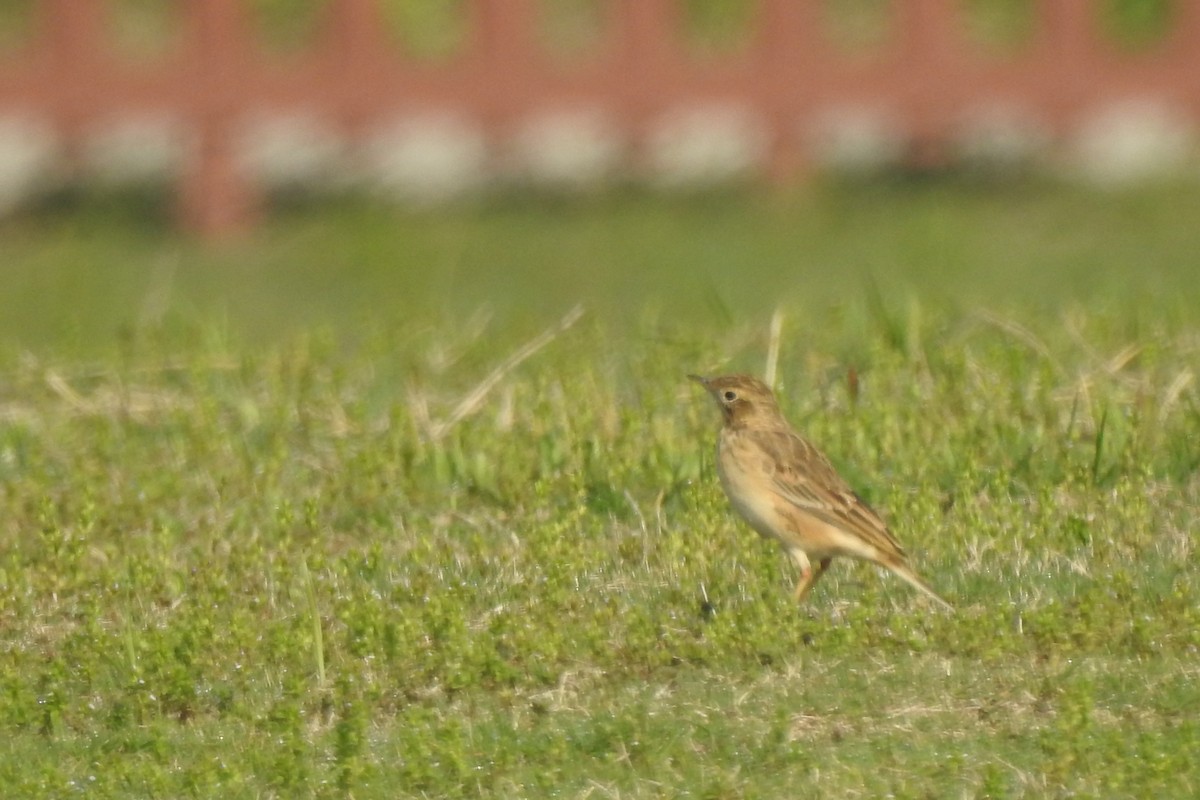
[(268, 530)]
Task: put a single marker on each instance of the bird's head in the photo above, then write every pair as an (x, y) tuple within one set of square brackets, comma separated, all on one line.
[(744, 400)]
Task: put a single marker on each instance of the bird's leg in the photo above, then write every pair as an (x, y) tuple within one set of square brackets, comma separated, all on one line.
[(808, 575)]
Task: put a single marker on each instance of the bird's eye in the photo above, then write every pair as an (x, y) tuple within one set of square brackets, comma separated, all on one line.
[(730, 397)]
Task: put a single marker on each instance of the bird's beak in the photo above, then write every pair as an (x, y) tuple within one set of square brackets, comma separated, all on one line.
[(700, 379)]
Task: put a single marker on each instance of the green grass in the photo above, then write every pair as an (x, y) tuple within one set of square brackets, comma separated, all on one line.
[(243, 555)]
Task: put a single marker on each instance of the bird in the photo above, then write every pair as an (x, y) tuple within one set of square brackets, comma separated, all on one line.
[(787, 490)]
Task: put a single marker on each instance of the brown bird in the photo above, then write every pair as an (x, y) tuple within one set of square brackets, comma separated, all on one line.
[(787, 490)]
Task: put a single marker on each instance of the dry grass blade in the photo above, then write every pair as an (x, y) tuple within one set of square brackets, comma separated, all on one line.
[(60, 387), (474, 399), (1020, 333), (773, 347), (1123, 358), (1174, 391)]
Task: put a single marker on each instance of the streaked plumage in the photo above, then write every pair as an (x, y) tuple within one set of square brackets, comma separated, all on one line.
[(787, 490)]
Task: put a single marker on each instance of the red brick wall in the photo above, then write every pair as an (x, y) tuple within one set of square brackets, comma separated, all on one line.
[(928, 79)]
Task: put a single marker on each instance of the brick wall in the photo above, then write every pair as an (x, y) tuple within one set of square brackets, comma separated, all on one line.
[(219, 111)]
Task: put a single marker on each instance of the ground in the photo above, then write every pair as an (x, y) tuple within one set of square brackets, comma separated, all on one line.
[(268, 529)]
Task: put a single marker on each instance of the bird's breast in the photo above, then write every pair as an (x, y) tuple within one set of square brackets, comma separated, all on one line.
[(748, 487)]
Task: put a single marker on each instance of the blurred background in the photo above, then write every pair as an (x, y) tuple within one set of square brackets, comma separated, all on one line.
[(267, 166)]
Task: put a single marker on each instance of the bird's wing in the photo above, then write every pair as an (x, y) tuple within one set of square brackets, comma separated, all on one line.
[(803, 476)]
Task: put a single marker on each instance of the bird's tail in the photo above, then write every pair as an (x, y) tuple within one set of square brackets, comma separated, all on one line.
[(913, 579)]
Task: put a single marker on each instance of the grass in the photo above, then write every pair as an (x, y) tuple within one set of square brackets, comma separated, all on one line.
[(249, 548)]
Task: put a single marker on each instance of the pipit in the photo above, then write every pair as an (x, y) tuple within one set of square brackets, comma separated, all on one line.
[(787, 490)]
